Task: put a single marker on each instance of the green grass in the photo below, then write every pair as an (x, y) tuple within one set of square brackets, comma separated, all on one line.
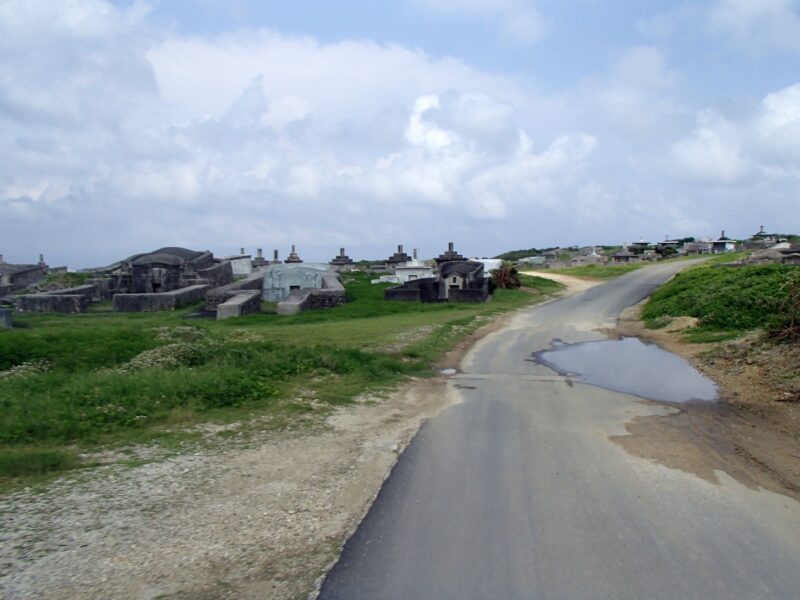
[(727, 300), (75, 382), (540, 284)]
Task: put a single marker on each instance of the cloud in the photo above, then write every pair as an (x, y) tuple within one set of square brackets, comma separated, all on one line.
[(120, 136), (778, 125), (765, 143), (637, 98), (159, 138), (758, 24), (518, 20), (712, 153)]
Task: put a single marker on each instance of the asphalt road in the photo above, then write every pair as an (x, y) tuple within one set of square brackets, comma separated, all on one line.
[(518, 492)]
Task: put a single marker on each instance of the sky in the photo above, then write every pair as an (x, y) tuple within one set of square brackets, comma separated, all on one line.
[(495, 124)]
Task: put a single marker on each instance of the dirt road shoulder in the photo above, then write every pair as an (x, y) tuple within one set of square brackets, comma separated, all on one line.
[(753, 433)]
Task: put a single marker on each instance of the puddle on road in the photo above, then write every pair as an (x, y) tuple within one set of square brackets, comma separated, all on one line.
[(630, 366)]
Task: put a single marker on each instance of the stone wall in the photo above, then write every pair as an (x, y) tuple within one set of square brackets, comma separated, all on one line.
[(300, 300), (155, 278), (58, 303), (217, 274), (156, 302), (469, 295), (106, 287), (89, 290), (224, 293), (245, 303)]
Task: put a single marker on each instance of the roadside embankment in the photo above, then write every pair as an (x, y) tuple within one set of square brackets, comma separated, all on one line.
[(754, 432)]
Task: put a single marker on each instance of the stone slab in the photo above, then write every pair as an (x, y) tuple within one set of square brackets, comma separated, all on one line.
[(57, 303), (245, 303), (163, 301)]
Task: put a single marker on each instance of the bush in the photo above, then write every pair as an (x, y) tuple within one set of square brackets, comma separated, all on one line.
[(506, 277)]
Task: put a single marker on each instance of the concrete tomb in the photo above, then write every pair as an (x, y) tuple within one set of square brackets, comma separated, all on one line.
[(456, 281), (282, 280), (298, 287)]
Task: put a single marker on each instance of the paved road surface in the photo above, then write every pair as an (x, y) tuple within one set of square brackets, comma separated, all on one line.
[(518, 492)]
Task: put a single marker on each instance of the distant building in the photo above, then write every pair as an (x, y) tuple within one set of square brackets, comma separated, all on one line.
[(15, 277), (532, 260), (723, 244)]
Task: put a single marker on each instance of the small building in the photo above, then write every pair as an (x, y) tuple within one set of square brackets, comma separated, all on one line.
[(457, 281), (531, 261), (281, 280), (697, 248), (15, 277), (624, 256), (168, 269), (409, 271), (723, 245), (639, 247)]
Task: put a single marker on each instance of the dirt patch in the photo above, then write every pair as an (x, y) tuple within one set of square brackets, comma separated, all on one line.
[(574, 285), (753, 433)]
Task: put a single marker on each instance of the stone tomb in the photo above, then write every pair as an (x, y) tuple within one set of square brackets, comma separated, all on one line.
[(282, 280)]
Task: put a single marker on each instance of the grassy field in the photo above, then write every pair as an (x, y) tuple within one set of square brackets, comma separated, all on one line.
[(728, 301), (74, 382)]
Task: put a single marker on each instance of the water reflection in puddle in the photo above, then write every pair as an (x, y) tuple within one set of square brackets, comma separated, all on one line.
[(630, 366)]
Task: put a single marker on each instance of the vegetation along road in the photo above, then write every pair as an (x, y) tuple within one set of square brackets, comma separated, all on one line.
[(522, 491)]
